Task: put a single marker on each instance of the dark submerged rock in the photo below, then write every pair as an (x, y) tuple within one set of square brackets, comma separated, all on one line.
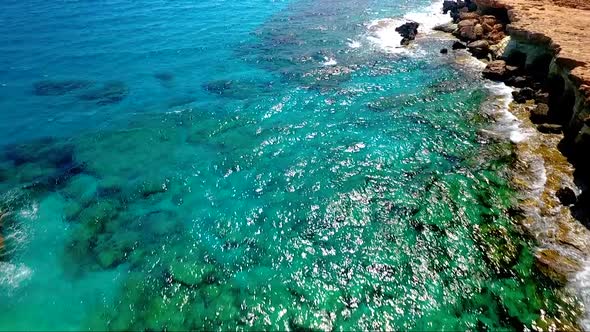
[(111, 92), (164, 76), (444, 51), (59, 88), (218, 87), (566, 196), (409, 31)]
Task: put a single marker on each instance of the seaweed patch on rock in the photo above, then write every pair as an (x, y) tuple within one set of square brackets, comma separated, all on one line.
[(110, 92), (59, 87)]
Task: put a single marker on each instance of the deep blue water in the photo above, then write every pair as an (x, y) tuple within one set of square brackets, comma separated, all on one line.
[(251, 165)]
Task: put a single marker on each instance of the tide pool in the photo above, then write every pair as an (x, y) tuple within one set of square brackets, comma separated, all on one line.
[(253, 165)]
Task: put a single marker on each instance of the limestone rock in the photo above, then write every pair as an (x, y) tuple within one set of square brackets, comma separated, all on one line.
[(478, 30), (495, 70), (479, 48), (490, 20), (555, 265), (469, 16), (550, 128), (447, 27), (467, 23)]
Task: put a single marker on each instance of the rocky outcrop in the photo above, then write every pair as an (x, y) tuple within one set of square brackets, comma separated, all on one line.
[(481, 32), (408, 31), (542, 48), (550, 38)]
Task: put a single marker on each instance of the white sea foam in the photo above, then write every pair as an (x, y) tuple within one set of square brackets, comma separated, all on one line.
[(581, 282), (382, 32), (429, 17), (330, 62), (508, 122), (12, 275), (353, 43)]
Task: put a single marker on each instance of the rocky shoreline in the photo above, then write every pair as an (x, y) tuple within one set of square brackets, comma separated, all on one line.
[(549, 70)]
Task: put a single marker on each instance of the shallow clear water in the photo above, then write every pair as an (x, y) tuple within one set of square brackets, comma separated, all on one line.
[(251, 165)]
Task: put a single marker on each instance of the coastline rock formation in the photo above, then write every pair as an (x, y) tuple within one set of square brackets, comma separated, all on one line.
[(551, 39), (409, 31), (542, 48)]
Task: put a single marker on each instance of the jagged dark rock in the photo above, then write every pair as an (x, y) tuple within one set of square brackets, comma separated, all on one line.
[(540, 114), (458, 46), (522, 95), (444, 51), (408, 30)]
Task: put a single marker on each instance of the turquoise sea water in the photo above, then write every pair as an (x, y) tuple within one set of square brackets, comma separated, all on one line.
[(248, 165)]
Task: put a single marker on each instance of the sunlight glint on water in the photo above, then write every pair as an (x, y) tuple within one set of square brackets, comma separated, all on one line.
[(251, 165)]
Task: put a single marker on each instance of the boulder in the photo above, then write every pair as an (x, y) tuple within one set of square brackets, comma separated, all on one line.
[(566, 196), (496, 37), (479, 48), (490, 20), (469, 29), (469, 16), (444, 51), (498, 27), (487, 28), (409, 31), (447, 27), (467, 23), (458, 46), (522, 95), (495, 70), (540, 114), (478, 30), (550, 128)]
